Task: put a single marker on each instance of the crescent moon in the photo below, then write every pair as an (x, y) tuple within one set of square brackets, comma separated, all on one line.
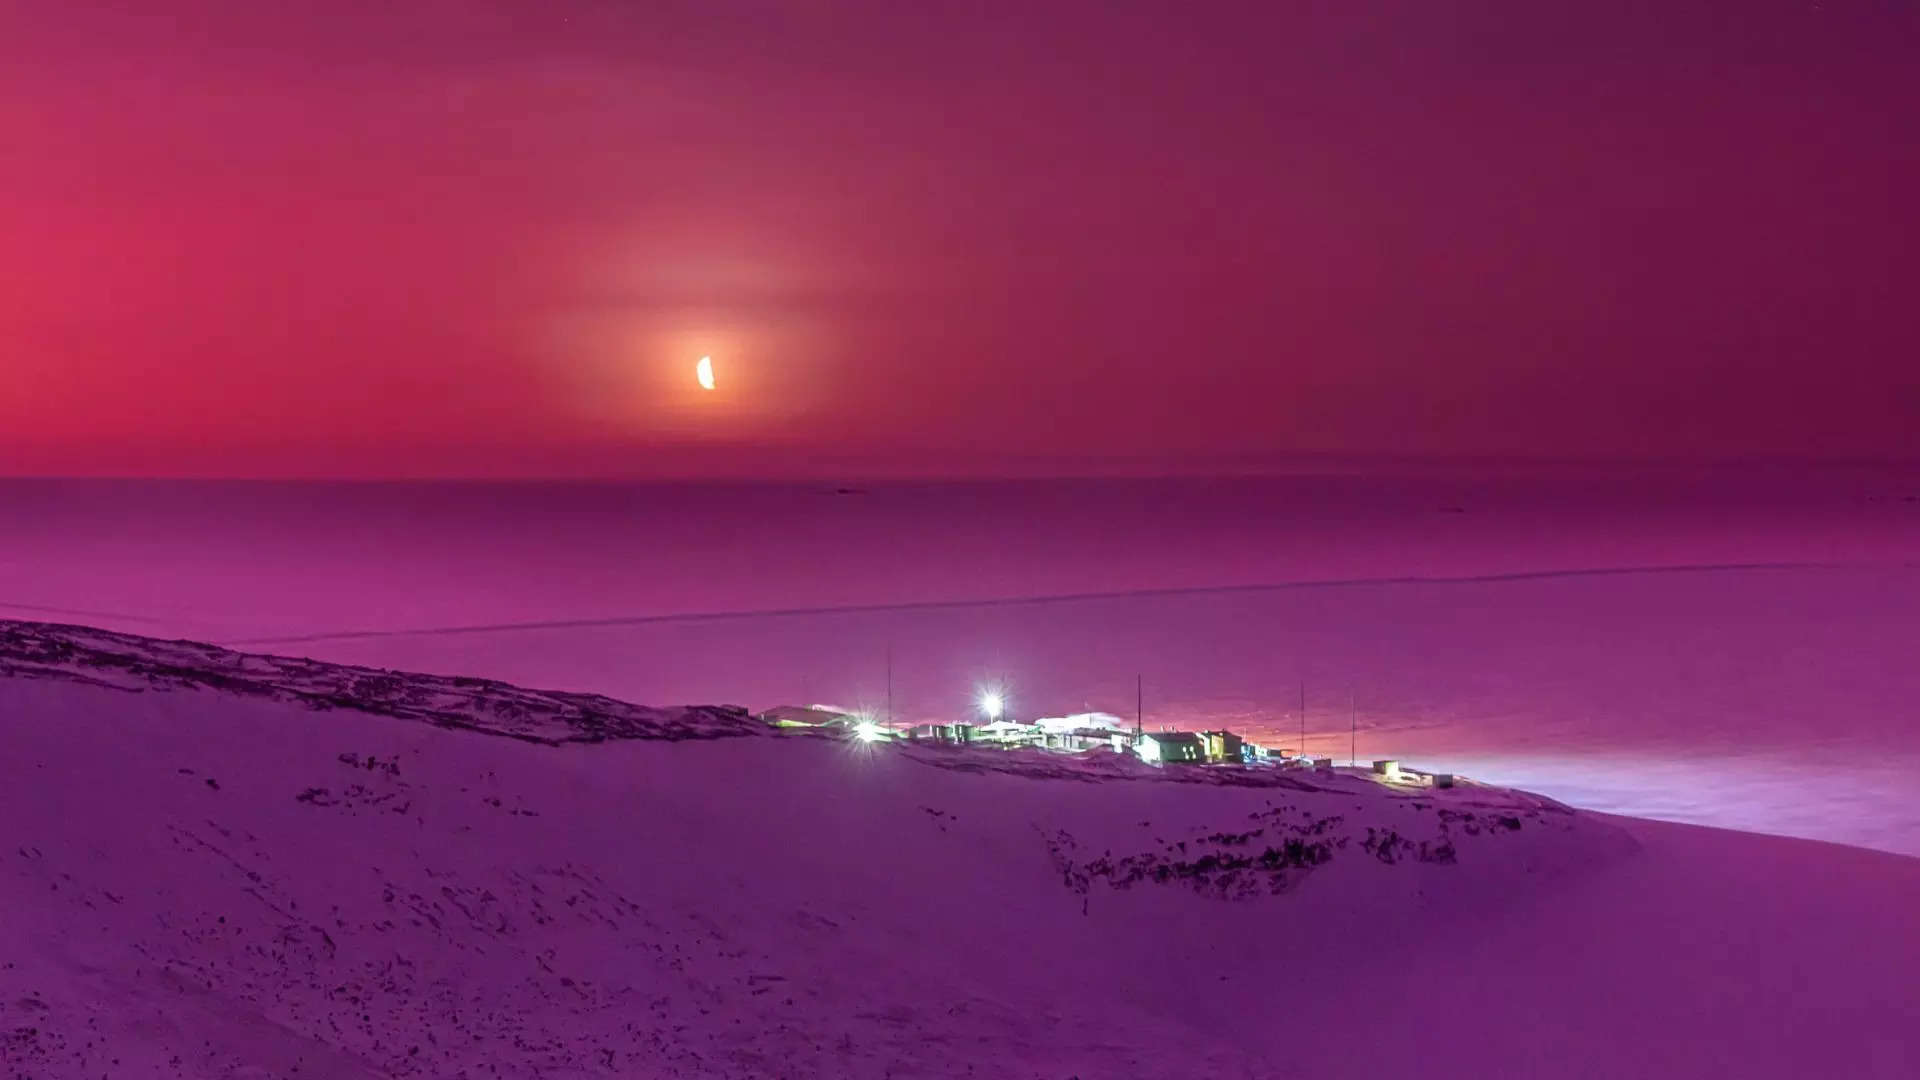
[(704, 372)]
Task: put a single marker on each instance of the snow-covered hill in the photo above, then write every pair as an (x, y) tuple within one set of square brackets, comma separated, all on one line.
[(232, 866)]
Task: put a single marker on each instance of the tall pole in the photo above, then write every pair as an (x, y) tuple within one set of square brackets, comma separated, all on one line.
[(1139, 708), (1303, 718), (1353, 729), (889, 685)]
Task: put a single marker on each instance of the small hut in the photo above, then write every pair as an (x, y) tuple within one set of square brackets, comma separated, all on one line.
[(1171, 746), (1221, 745)]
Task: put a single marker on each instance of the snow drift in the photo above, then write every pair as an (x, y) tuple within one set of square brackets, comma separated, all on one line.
[(236, 866)]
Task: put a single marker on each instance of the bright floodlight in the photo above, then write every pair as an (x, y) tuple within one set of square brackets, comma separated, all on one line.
[(992, 704), (867, 731)]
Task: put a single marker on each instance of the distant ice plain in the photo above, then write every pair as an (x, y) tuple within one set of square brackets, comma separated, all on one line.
[(1525, 626)]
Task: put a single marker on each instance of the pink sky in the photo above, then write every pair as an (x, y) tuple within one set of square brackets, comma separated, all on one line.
[(492, 239)]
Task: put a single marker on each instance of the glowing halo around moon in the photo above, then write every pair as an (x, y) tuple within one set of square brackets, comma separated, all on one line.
[(704, 372)]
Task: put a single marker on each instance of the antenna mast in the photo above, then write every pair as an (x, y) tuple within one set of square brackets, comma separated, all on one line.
[(1303, 718)]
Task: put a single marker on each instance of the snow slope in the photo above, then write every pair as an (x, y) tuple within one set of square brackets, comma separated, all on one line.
[(218, 865)]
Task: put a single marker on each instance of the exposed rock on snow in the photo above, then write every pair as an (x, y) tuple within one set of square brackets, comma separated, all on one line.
[(127, 662)]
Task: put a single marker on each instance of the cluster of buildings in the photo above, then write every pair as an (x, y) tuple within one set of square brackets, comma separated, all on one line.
[(1084, 731)]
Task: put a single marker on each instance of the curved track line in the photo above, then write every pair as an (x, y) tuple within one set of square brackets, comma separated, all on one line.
[(1014, 601), (39, 609)]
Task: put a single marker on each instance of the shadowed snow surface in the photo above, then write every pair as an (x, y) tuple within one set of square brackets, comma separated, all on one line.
[(229, 866)]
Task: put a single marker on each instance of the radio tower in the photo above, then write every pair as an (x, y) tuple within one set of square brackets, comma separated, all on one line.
[(1303, 718)]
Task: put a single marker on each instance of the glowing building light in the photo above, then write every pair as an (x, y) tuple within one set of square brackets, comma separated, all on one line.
[(868, 731), (992, 704)]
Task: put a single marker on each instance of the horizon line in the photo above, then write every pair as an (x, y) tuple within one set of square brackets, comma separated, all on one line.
[(1113, 468)]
